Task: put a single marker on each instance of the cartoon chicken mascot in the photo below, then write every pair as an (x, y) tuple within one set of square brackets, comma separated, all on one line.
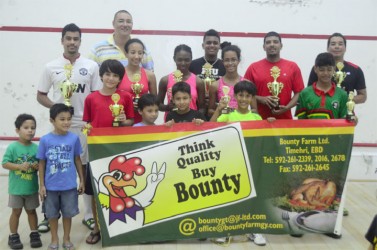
[(128, 209)]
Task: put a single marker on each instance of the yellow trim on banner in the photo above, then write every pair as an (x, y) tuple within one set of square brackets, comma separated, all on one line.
[(298, 131)]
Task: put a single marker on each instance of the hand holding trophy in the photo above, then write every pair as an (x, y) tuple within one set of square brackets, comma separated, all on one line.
[(339, 75), (116, 109), (226, 98), (67, 87), (275, 87), (350, 107), (136, 87)]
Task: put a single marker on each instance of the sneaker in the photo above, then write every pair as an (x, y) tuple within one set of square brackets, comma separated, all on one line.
[(44, 226), (14, 241), (345, 212), (258, 239), (334, 236), (35, 240), (222, 240)]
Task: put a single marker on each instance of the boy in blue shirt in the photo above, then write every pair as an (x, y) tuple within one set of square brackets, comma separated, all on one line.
[(20, 159), (59, 160)]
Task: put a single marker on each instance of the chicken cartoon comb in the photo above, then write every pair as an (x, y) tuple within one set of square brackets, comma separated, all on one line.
[(128, 167)]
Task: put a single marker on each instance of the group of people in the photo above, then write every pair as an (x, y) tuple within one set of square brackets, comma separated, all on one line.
[(204, 89)]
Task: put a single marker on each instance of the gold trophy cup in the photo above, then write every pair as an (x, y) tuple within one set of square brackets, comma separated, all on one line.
[(116, 109), (136, 87), (67, 88), (339, 75), (177, 77), (350, 107), (226, 97), (275, 87), (208, 78)]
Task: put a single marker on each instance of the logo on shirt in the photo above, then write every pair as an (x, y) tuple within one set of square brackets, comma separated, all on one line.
[(335, 104), (83, 71)]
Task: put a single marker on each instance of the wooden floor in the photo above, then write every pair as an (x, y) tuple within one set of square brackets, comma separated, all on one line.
[(361, 203)]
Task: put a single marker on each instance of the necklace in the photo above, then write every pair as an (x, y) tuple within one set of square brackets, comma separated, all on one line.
[(210, 63)]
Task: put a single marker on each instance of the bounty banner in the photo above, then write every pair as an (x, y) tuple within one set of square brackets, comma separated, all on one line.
[(158, 183)]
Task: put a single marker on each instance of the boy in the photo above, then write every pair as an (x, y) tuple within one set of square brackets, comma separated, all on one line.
[(98, 114), (148, 109), (59, 160), (244, 93), (181, 97), (322, 100), (20, 159)]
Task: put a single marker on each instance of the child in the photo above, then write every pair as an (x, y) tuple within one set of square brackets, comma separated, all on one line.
[(59, 160), (98, 114), (181, 96), (96, 106), (322, 100), (20, 159), (148, 109), (244, 93)]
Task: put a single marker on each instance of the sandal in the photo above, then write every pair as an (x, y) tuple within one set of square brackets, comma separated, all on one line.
[(68, 246), (89, 223), (53, 247), (93, 238)]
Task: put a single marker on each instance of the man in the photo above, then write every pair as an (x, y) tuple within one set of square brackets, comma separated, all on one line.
[(287, 74), (113, 47), (354, 76), (85, 74), (211, 46)]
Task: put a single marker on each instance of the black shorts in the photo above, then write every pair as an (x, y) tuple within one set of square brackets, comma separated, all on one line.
[(88, 180)]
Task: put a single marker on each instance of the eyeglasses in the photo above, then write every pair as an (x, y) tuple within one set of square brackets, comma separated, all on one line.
[(231, 60)]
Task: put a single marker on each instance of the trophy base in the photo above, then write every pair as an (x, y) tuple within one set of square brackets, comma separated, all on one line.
[(136, 100), (350, 118), (226, 110), (116, 124)]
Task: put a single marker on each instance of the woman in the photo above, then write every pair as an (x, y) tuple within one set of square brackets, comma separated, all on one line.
[(134, 49), (231, 56), (182, 58)]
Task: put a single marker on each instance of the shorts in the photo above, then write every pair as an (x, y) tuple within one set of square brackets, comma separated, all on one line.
[(84, 144), (88, 181), (65, 201), (29, 202)]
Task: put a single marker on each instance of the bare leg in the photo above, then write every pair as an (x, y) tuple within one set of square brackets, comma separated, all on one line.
[(67, 222), (33, 219), (54, 230), (94, 208), (14, 219)]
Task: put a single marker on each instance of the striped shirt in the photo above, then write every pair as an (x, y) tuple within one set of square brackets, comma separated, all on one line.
[(107, 49)]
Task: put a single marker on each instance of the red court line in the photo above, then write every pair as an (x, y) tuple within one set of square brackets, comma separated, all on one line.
[(181, 33)]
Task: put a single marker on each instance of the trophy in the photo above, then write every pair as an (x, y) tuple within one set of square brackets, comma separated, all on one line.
[(227, 109), (177, 77), (116, 109), (208, 79), (136, 86), (275, 87), (350, 107), (339, 75), (67, 88), (86, 129)]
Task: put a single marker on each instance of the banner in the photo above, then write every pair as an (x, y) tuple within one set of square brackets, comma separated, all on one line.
[(157, 183)]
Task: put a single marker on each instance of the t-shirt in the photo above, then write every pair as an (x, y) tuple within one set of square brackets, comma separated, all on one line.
[(313, 103), (235, 116), (217, 70), (233, 102), (354, 79), (290, 75), (186, 117), (21, 183), (371, 235), (97, 108), (59, 152), (107, 49), (85, 73), (140, 124)]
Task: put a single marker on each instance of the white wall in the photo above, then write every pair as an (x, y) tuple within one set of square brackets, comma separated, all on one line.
[(23, 54)]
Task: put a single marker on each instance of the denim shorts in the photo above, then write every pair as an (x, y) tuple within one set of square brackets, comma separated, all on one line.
[(65, 202), (29, 202)]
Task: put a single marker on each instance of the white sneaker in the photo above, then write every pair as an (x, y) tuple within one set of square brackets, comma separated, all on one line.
[(258, 239), (221, 240)]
